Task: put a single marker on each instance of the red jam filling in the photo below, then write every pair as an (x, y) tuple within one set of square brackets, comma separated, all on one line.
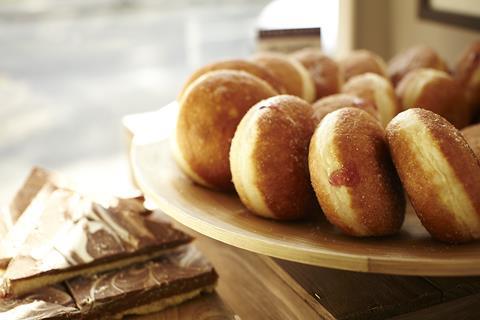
[(346, 176)]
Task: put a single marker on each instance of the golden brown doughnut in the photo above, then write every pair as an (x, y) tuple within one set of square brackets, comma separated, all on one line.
[(240, 65), (362, 61), (439, 172), (416, 57), (353, 175), (467, 73), (324, 71), (210, 110), (436, 91), (342, 100), (268, 158), (472, 136), (289, 72), (376, 89)]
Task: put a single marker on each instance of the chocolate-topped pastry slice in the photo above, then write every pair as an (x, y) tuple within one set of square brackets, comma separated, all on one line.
[(72, 236), (35, 181), (144, 288), (137, 289), (36, 188), (31, 217), (135, 232), (53, 302)]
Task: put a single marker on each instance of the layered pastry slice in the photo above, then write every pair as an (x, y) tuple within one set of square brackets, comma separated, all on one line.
[(62, 235), (138, 289), (53, 302), (145, 288), (67, 257)]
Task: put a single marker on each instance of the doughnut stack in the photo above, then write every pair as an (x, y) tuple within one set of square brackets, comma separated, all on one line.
[(354, 139)]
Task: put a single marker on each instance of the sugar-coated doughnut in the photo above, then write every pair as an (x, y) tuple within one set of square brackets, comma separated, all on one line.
[(289, 72), (268, 158), (436, 91), (337, 101), (353, 175), (467, 73), (210, 110), (439, 172), (240, 65), (420, 56), (324, 71), (362, 61), (377, 89), (472, 136)]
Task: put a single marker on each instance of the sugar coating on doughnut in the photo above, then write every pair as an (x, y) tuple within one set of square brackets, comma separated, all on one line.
[(440, 173), (236, 64), (436, 91), (376, 89), (413, 86), (467, 73), (337, 101), (362, 61), (417, 57), (291, 73), (185, 166), (468, 65), (323, 70), (210, 110), (472, 136), (243, 167), (323, 161), (308, 88), (268, 158), (353, 176)]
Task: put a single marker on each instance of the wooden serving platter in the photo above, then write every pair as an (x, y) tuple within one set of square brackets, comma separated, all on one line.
[(313, 241)]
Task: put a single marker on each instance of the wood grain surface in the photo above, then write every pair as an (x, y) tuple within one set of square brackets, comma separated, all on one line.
[(355, 295), (248, 288), (252, 286), (456, 287), (460, 309), (205, 307), (312, 241), (337, 294)]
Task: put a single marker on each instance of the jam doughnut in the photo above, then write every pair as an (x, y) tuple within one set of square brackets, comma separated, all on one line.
[(268, 158), (472, 136), (353, 175), (240, 65), (467, 74), (289, 72), (436, 91), (342, 100), (439, 172), (416, 57), (362, 61), (210, 110), (378, 90), (324, 71)]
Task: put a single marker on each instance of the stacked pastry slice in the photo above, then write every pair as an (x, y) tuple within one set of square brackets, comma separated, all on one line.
[(109, 261)]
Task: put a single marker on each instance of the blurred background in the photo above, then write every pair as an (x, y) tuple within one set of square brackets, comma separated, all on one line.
[(70, 70)]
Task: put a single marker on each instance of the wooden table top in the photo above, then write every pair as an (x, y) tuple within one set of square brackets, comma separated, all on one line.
[(252, 286), (248, 288)]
